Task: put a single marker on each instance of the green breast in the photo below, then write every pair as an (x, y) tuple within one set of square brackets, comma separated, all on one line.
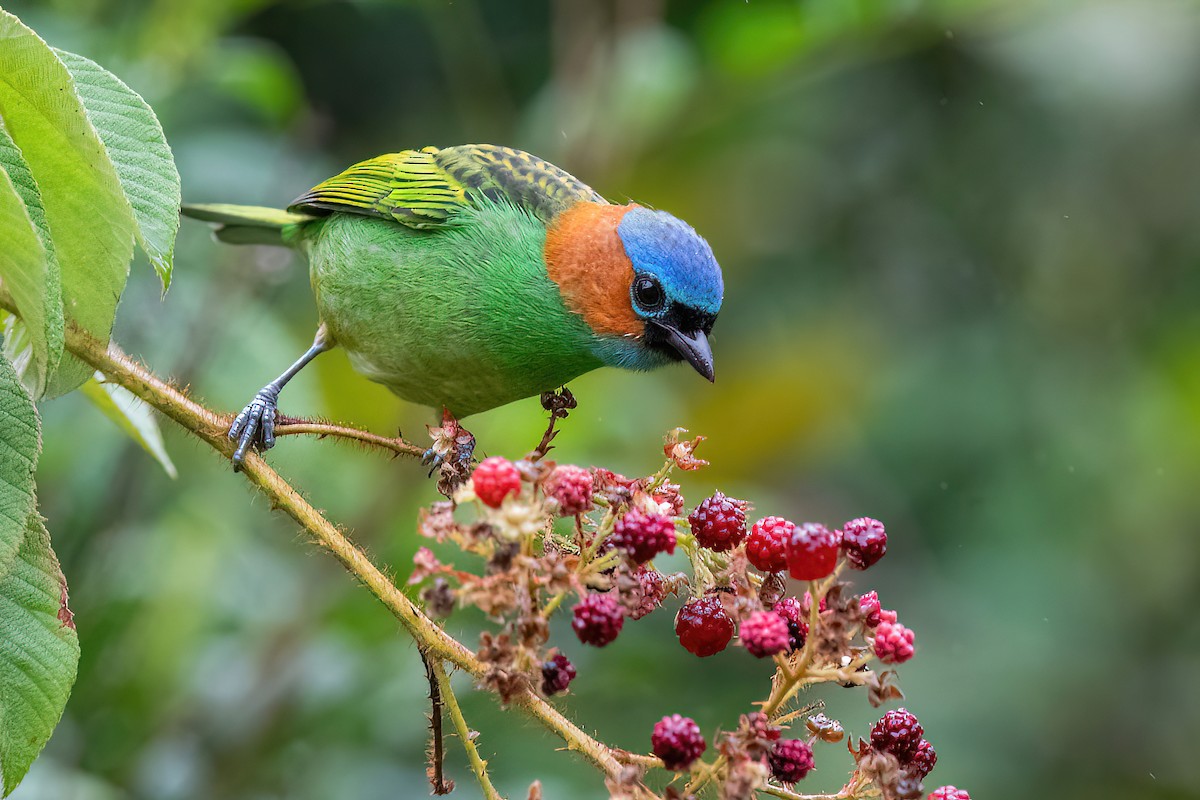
[(463, 317)]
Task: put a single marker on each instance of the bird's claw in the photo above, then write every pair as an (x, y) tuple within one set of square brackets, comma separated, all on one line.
[(255, 426)]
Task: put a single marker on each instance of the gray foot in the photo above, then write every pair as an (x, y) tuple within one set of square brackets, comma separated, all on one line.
[(255, 426)]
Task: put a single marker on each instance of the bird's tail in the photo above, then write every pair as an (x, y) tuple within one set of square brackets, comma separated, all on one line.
[(245, 224)]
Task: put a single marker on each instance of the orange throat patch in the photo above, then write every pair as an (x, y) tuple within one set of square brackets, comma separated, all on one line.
[(586, 259)]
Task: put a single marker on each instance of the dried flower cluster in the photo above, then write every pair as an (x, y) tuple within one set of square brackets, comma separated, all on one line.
[(583, 541)]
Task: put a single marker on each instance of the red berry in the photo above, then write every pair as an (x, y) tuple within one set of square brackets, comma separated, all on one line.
[(495, 479), (643, 536), (924, 760), (571, 487), (719, 522), (812, 552), (864, 541), (765, 633), (557, 674), (766, 547), (898, 733), (677, 741), (869, 603), (703, 627), (793, 614), (790, 760), (597, 619), (949, 793), (893, 643), (653, 591)]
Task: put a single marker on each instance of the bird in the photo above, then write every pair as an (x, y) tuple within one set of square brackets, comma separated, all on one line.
[(467, 277)]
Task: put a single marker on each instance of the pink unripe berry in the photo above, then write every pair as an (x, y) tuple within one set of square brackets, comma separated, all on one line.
[(790, 760), (703, 627), (719, 522), (949, 793), (597, 619), (677, 741), (571, 487), (864, 541), (766, 547), (812, 552), (869, 603), (893, 643), (495, 479), (643, 536), (765, 633), (653, 591)]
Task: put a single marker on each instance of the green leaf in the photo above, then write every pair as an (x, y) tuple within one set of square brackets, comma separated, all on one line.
[(20, 443), (131, 415), (138, 150), (39, 653), (29, 268), (91, 223)]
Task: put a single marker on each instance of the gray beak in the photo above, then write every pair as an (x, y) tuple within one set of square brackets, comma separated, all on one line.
[(694, 348)]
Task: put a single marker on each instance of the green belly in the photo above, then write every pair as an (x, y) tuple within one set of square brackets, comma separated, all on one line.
[(463, 317)]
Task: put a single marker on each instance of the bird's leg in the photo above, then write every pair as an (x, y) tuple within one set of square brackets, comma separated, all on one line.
[(559, 404), (255, 426)]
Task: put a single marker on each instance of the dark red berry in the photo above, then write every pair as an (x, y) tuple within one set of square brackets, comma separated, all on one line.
[(898, 733), (677, 741), (812, 552), (766, 546), (571, 487), (924, 760), (864, 541), (495, 479), (653, 591), (703, 627), (793, 614), (719, 522), (557, 674), (869, 603), (790, 760), (765, 633), (643, 536), (597, 619), (949, 793), (893, 643)]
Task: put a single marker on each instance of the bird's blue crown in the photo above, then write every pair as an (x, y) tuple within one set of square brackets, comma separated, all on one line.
[(661, 245)]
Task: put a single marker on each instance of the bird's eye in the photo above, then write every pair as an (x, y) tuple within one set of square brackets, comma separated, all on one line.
[(648, 293)]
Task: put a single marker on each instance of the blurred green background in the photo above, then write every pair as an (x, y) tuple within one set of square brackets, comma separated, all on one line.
[(960, 248)]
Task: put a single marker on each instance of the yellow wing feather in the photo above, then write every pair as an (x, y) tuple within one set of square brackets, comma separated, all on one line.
[(426, 188)]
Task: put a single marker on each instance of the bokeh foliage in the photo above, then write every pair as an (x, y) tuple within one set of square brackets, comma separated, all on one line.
[(961, 279)]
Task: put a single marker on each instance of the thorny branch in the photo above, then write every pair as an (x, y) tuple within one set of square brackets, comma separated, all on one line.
[(210, 428)]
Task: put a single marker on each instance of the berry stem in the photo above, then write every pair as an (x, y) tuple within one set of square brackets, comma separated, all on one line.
[(552, 604), (465, 734), (785, 686)]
